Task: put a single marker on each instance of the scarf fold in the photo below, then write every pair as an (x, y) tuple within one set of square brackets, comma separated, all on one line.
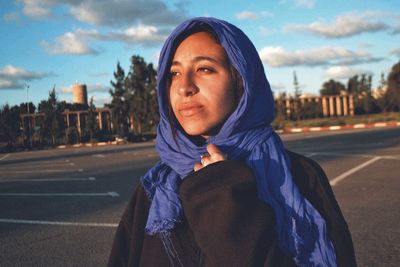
[(245, 136)]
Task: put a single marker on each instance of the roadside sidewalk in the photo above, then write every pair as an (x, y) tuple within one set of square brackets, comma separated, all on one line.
[(340, 127), (91, 144)]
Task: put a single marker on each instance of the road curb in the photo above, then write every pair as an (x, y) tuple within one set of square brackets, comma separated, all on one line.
[(340, 127), (91, 144)]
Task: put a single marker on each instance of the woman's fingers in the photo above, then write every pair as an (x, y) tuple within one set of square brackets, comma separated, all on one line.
[(214, 155), (197, 166)]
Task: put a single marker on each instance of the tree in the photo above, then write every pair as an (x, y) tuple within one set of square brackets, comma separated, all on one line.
[(298, 109), (297, 91), (392, 94), (134, 98), (9, 124), (53, 125), (153, 116), (141, 94), (360, 86), (331, 87), (362, 90), (91, 125), (380, 92), (27, 108), (119, 104), (24, 107)]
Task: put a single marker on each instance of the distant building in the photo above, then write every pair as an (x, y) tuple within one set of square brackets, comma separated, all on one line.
[(79, 94), (74, 120), (330, 106)]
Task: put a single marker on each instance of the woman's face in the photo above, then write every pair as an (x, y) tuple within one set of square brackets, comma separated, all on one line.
[(201, 90)]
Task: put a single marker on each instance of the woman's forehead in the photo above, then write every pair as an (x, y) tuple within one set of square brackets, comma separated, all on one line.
[(199, 46)]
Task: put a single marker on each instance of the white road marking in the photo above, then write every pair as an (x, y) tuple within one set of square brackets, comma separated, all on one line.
[(337, 179), (310, 155), (88, 224), (39, 171), (49, 180), (43, 163), (350, 155), (391, 148), (108, 194), (5, 156), (98, 155)]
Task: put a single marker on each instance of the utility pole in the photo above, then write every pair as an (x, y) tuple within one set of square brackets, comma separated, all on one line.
[(29, 114)]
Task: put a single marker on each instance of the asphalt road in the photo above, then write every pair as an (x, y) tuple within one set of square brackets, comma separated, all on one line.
[(61, 207)]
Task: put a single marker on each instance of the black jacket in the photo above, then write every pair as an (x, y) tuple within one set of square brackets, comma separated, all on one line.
[(225, 223)]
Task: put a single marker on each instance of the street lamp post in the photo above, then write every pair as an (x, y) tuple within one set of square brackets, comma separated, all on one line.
[(29, 118)]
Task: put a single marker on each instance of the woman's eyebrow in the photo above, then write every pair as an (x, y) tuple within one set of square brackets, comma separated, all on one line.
[(197, 59)]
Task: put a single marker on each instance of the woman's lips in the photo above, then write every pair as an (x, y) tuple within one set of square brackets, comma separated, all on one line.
[(189, 109)]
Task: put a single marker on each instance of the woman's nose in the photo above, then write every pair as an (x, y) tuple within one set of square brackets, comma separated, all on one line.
[(187, 86)]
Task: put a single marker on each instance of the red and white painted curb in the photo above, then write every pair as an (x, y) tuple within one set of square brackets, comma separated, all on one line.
[(92, 144), (340, 127)]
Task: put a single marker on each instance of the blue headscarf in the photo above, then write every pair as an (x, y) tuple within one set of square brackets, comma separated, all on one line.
[(247, 136)]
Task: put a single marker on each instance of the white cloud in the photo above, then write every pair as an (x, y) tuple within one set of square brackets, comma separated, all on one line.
[(395, 52), (66, 89), (396, 27), (250, 15), (344, 72), (344, 25), (11, 17), (12, 77), (96, 87), (76, 43), (141, 34), (100, 101), (278, 87), (244, 15), (11, 84), (305, 3), (279, 57), (94, 34), (102, 74), (264, 31), (37, 9), (299, 3), (105, 12), (12, 72), (69, 43), (365, 45)]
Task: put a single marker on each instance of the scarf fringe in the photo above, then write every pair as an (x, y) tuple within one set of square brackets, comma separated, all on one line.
[(170, 249), (161, 227)]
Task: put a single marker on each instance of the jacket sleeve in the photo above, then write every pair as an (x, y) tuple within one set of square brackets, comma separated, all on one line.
[(314, 185), (131, 246), (128, 239)]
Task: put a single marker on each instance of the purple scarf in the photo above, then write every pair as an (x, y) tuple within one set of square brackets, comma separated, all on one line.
[(247, 136)]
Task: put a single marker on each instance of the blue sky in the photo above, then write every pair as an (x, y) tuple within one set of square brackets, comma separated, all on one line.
[(47, 43)]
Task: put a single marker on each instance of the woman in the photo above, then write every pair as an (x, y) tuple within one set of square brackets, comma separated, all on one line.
[(225, 192)]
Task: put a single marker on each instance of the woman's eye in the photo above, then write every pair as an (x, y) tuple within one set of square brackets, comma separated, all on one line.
[(206, 70), (174, 73)]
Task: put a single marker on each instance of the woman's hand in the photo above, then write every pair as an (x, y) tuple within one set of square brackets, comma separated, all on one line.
[(214, 155)]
